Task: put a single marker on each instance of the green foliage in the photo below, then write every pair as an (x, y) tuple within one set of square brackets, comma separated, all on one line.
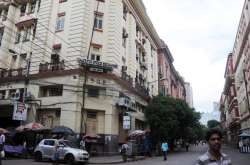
[(171, 119), (213, 124)]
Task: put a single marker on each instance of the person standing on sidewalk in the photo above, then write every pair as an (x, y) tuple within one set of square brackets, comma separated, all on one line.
[(240, 145), (2, 142), (124, 151), (187, 146), (164, 148), (214, 156)]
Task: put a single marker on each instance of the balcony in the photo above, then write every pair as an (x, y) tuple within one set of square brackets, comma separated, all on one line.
[(127, 103), (50, 67), (127, 78), (142, 89), (6, 73), (26, 21)]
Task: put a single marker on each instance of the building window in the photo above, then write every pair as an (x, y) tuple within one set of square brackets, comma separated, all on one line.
[(91, 115), (32, 7), (124, 38), (1, 35), (125, 11), (52, 90), (39, 4), (61, 1), (4, 15), (18, 36), (23, 9), (60, 22), (93, 92), (26, 34), (95, 57), (98, 22), (95, 54), (2, 94)]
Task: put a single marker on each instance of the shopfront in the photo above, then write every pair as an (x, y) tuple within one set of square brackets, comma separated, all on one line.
[(6, 113)]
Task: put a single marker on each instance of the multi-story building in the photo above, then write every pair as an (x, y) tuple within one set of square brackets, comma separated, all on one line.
[(52, 47), (170, 82), (241, 64), (230, 111), (189, 94)]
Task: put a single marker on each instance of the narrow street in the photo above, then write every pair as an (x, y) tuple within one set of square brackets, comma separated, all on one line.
[(177, 158)]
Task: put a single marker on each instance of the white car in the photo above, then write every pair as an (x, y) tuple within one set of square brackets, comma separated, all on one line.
[(68, 151)]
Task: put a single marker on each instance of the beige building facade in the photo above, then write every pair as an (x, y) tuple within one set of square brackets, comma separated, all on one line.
[(114, 40), (241, 55)]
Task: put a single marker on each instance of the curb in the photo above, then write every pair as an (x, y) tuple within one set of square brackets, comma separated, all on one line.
[(118, 162)]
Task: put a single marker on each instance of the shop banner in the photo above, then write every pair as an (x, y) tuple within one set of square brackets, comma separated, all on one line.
[(20, 111), (126, 122)]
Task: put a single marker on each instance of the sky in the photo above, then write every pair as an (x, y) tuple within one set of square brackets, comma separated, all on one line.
[(200, 34)]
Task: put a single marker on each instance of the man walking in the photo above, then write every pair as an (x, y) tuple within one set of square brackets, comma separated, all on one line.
[(124, 151), (214, 156), (2, 141), (164, 148)]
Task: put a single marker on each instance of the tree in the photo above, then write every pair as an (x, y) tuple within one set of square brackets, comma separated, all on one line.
[(171, 119), (213, 124)]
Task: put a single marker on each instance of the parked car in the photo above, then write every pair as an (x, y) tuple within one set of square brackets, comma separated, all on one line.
[(67, 151)]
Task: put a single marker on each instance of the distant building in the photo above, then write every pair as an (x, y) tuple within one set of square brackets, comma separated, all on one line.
[(189, 94), (206, 116), (170, 81)]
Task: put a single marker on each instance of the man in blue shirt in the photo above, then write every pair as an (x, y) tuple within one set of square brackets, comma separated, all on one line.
[(164, 148)]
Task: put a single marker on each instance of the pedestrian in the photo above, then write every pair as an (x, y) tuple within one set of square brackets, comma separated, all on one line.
[(56, 154), (82, 143), (164, 148), (124, 151), (187, 146), (240, 145), (2, 142), (214, 156)]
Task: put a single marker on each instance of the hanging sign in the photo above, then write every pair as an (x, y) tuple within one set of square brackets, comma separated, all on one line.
[(126, 122), (20, 111)]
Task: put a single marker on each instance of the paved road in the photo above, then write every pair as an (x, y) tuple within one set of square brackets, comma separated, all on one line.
[(177, 158)]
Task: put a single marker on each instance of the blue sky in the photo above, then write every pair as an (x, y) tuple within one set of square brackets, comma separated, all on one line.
[(200, 34)]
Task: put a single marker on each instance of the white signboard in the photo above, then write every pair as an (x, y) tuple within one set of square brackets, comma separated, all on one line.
[(20, 111), (126, 122)]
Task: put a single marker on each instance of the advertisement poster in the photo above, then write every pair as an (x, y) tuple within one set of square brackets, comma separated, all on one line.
[(20, 111), (126, 122)]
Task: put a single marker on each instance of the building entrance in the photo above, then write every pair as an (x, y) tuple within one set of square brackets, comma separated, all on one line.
[(6, 112)]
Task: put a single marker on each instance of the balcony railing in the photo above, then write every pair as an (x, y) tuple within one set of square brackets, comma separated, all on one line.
[(142, 89), (48, 67), (127, 78), (12, 72)]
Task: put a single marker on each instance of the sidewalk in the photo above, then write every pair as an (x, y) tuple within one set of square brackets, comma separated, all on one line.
[(112, 159)]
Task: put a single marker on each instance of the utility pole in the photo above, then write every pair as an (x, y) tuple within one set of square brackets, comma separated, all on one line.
[(83, 129)]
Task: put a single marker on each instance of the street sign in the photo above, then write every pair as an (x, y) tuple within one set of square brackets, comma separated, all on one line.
[(20, 111), (126, 122)]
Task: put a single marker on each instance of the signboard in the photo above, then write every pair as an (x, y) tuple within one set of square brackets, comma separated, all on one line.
[(126, 122), (20, 111), (96, 66)]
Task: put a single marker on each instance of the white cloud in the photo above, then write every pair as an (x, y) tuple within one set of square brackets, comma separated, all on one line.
[(200, 34)]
